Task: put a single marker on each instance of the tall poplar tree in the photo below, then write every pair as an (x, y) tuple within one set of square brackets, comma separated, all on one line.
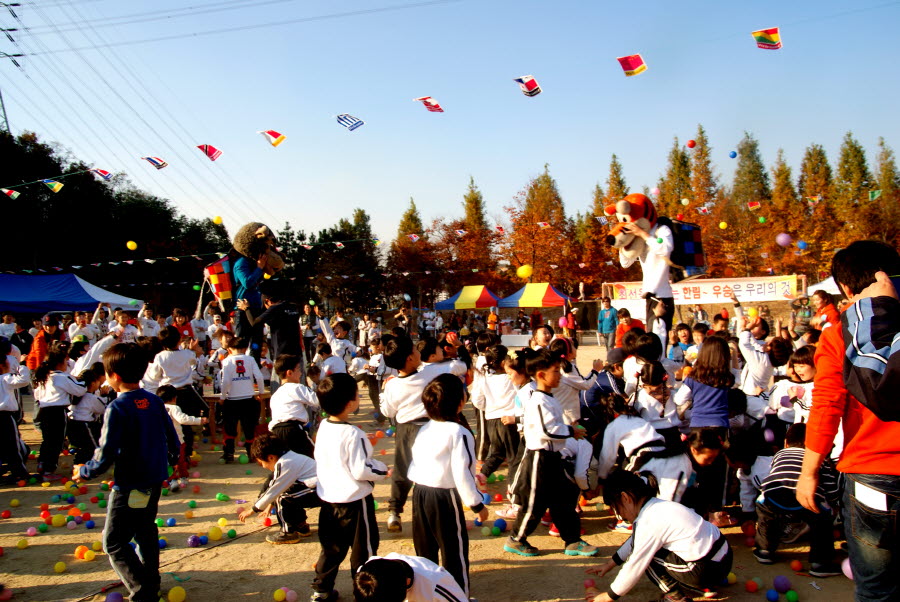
[(704, 184), (675, 185)]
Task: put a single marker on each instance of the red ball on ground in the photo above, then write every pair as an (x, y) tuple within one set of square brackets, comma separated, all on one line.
[(95, 499), (796, 566), (5, 514), (86, 516), (750, 541), (45, 506), (267, 521), (751, 586), (82, 490), (498, 497), (679, 217), (749, 528), (196, 489), (21, 483)]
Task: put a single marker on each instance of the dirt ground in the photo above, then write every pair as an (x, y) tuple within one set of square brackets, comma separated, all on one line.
[(247, 568)]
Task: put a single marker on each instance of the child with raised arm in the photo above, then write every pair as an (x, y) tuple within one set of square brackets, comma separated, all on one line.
[(443, 469), (291, 488), (346, 471), (138, 437)]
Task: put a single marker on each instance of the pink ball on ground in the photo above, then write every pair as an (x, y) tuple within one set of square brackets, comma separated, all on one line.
[(195, 474), (71, 525), (31, 532), (290, 596), (848, 570), (589, 583)]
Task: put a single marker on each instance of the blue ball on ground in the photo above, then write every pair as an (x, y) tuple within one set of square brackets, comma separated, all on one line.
[(477, 522), (204, 540), (171, 522), (486, 498), (89, 524), (772, 595), (500, 524)]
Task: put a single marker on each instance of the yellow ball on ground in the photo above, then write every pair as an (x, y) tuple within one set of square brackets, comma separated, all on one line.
[(177, 594), (22, 544), (90, 555), (60, 567), (45, 484), (189, 514), (223, 522), (132, 246), (58, 520), (525, 271), (97, 546), (14, 503), (215, 533), (279, 595)]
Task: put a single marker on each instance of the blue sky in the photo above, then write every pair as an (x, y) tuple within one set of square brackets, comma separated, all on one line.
[(110, 106)]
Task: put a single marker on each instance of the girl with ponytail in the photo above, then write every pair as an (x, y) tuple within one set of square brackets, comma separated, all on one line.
[(53, 392)]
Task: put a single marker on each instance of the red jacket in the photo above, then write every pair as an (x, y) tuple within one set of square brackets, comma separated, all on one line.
[(828, 313), (621, 329), (871, 446), (40, 347)]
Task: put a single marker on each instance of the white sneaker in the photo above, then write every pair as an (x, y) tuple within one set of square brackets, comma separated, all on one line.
[(393, 523), (622, 527), (510, 512)]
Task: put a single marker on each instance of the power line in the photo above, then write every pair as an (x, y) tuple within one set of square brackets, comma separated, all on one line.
[(280, 23)]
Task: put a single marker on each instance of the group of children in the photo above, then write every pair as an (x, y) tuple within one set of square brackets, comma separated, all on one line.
[(659, 431)]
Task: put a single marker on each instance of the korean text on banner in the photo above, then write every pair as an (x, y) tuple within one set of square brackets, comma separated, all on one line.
[(751, 290)]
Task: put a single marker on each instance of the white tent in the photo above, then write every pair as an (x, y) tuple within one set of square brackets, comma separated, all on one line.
[(827, 285)]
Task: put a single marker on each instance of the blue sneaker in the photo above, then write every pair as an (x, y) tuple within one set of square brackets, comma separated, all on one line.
[(581, 548), (522, 548)]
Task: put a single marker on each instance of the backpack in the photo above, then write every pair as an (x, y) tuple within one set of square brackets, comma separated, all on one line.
[(688, 251)]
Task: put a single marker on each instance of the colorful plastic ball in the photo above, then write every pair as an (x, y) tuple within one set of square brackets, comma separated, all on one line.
[(5, 514), (162, 544), (751, 587), (679, 216), (96, 546), (222, 497), (589, 583), (761, 219), (231, 533), (60, 567), (769, 435), (847, 568), (501, 478), (114, 597), (524, 271), (43, 528), (217, 220), (750, 541), (165, 491), (796, 566), (783, 240), (279, 595), (781, 584), (731, 579), (55, 499), (132, 246), (376, 504), (654, 191), (495, 531), (71, 525), (500, 524), (102, 503), (192, 504), (177, 594), (486, 499), (723, 225), (685, 202), (749, 527), (171, 522), (791, 596), (267, 522), (104, 486), (477, 522), (802, 245), (691, 143), (732, 155), (58, 520), (771, 595), (31, 531), (14, 503), (79, 552), (486, 531), (215, 533), (204, 539), (390, 432), (193, 541), (22, 544), (290, 596), (160, 522), (222, 522)]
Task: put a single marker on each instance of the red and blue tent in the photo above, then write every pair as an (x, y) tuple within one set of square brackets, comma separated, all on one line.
[(470, 297), (536, 294)]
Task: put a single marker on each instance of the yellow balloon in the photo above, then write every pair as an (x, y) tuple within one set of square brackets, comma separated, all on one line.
[(217, 219), (132, 246), (723, 225), (525, 271), (177, 594)]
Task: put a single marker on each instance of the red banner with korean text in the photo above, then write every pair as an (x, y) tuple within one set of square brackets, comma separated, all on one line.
[(715, 290)]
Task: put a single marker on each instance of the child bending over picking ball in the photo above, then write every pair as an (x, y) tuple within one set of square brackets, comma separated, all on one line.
[(395, 578), (679, 551), (291, 488)]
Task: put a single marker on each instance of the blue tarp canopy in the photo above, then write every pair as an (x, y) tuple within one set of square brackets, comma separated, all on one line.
[(58, 292)]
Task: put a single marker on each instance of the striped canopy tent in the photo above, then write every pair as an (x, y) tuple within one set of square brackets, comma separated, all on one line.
[(536, 294), (470, 297)]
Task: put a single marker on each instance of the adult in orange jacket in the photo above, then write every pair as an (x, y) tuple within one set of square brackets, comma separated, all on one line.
[(40, 347)]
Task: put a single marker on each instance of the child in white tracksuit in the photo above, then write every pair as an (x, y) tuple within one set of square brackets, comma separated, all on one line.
[(396, 577), (239, 402), (85, 413), (11, 449)]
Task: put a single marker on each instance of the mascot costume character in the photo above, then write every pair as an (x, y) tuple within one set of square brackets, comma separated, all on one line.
[(643, 236), (257, 258)]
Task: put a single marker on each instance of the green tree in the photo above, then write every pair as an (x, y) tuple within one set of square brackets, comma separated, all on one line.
[(887, 180), (704, 184), (411, 262), (815, 178), (616, 187), (751, 180), (675, 185)]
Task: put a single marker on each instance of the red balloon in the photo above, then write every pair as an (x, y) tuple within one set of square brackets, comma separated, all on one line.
[(679, 217), (691, 143)]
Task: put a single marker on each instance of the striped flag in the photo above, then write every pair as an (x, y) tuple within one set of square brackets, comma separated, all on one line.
[(754, 205), (632, 64), (767, 39), (703, 210), (528, 85), (874, 195), (274, 138), (155, 162), (430, 104), (10, 193), (602, 219), (543, 225), (339, 245), (53, 185), (103, 174), (413, 237), (349, 121), (210, 151), (461, 232)]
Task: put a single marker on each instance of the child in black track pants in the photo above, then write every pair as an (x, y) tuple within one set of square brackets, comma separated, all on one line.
[(346, 471), (443, 469), (239, 404), (11, 450), (291, 488), (541, 482)]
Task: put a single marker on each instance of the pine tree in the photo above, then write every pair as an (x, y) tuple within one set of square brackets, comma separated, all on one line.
[(851, 190), (751, 180), (675, 185), (704, 184), (815, 175), (616, 187), (600, 259), (410, 222), (887, 180), (411, 263)]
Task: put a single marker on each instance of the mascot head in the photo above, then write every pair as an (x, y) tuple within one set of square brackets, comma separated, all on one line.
[(254, 240), (637, 209)]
